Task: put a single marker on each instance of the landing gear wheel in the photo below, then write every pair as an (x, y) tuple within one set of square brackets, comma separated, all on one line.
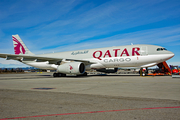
[(146, 72), (54, 74), (84, 74), (143, 72), (62, 75), (59, 75)]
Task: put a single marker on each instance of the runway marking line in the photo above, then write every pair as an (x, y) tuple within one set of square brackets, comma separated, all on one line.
[(89, 112)]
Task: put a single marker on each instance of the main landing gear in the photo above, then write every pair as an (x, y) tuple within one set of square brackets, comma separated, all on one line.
[(84, 74), (64, 75), (59, 75)]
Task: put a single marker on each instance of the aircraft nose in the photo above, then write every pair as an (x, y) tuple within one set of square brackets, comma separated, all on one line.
[(171, 54)]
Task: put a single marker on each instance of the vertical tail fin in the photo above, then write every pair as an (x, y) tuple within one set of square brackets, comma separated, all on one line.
[(19, 46)]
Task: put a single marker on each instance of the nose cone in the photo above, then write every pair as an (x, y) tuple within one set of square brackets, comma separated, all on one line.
[(170, 54)]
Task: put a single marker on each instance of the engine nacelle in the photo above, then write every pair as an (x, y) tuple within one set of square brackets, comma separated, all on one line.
[(108, 70), (71, 68)]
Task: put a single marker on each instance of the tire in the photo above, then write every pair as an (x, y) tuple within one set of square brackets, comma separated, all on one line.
[(84, 74), (62, 75), (54, 74)]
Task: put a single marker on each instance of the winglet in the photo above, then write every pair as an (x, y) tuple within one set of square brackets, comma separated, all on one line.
[(19, 46)]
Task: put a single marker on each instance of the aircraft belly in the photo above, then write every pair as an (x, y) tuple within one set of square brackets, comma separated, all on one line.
[(95, 66)]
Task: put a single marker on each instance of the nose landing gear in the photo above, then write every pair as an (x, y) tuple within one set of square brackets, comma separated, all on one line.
[(143, 72)]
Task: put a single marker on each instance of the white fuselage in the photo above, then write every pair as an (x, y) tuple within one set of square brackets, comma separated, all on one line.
[(111, 57)]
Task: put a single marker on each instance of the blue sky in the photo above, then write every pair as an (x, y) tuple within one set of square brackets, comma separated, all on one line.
[(48, 26)]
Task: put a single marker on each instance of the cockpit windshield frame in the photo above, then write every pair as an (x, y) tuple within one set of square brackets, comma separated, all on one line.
[(161, 49)]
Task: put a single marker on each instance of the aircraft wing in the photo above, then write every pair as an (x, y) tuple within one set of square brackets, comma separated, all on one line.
[(52, 60)]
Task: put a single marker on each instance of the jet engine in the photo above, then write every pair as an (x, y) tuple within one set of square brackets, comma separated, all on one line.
[(108, 70), (71, 68)]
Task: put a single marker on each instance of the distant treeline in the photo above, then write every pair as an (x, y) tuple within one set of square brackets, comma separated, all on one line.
[(11, 70), (21, 70)]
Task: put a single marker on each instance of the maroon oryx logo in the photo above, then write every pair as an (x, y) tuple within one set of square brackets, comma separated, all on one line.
[(18, 48), (70, 67)]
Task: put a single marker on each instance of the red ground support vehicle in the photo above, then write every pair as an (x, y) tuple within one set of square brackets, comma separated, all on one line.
[(175, 70), (163, 69)]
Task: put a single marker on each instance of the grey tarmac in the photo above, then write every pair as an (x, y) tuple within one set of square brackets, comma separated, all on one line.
[(95, 97)]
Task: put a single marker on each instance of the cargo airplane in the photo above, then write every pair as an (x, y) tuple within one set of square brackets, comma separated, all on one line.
[(77, 62)]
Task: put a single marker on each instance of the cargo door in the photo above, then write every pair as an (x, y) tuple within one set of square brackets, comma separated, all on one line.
[(144, 50)]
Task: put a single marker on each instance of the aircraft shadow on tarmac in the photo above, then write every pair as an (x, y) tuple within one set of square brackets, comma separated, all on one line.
[(91, 75), (108, 75)]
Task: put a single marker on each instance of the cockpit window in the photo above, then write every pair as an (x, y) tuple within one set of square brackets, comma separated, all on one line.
[(161, 49)]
